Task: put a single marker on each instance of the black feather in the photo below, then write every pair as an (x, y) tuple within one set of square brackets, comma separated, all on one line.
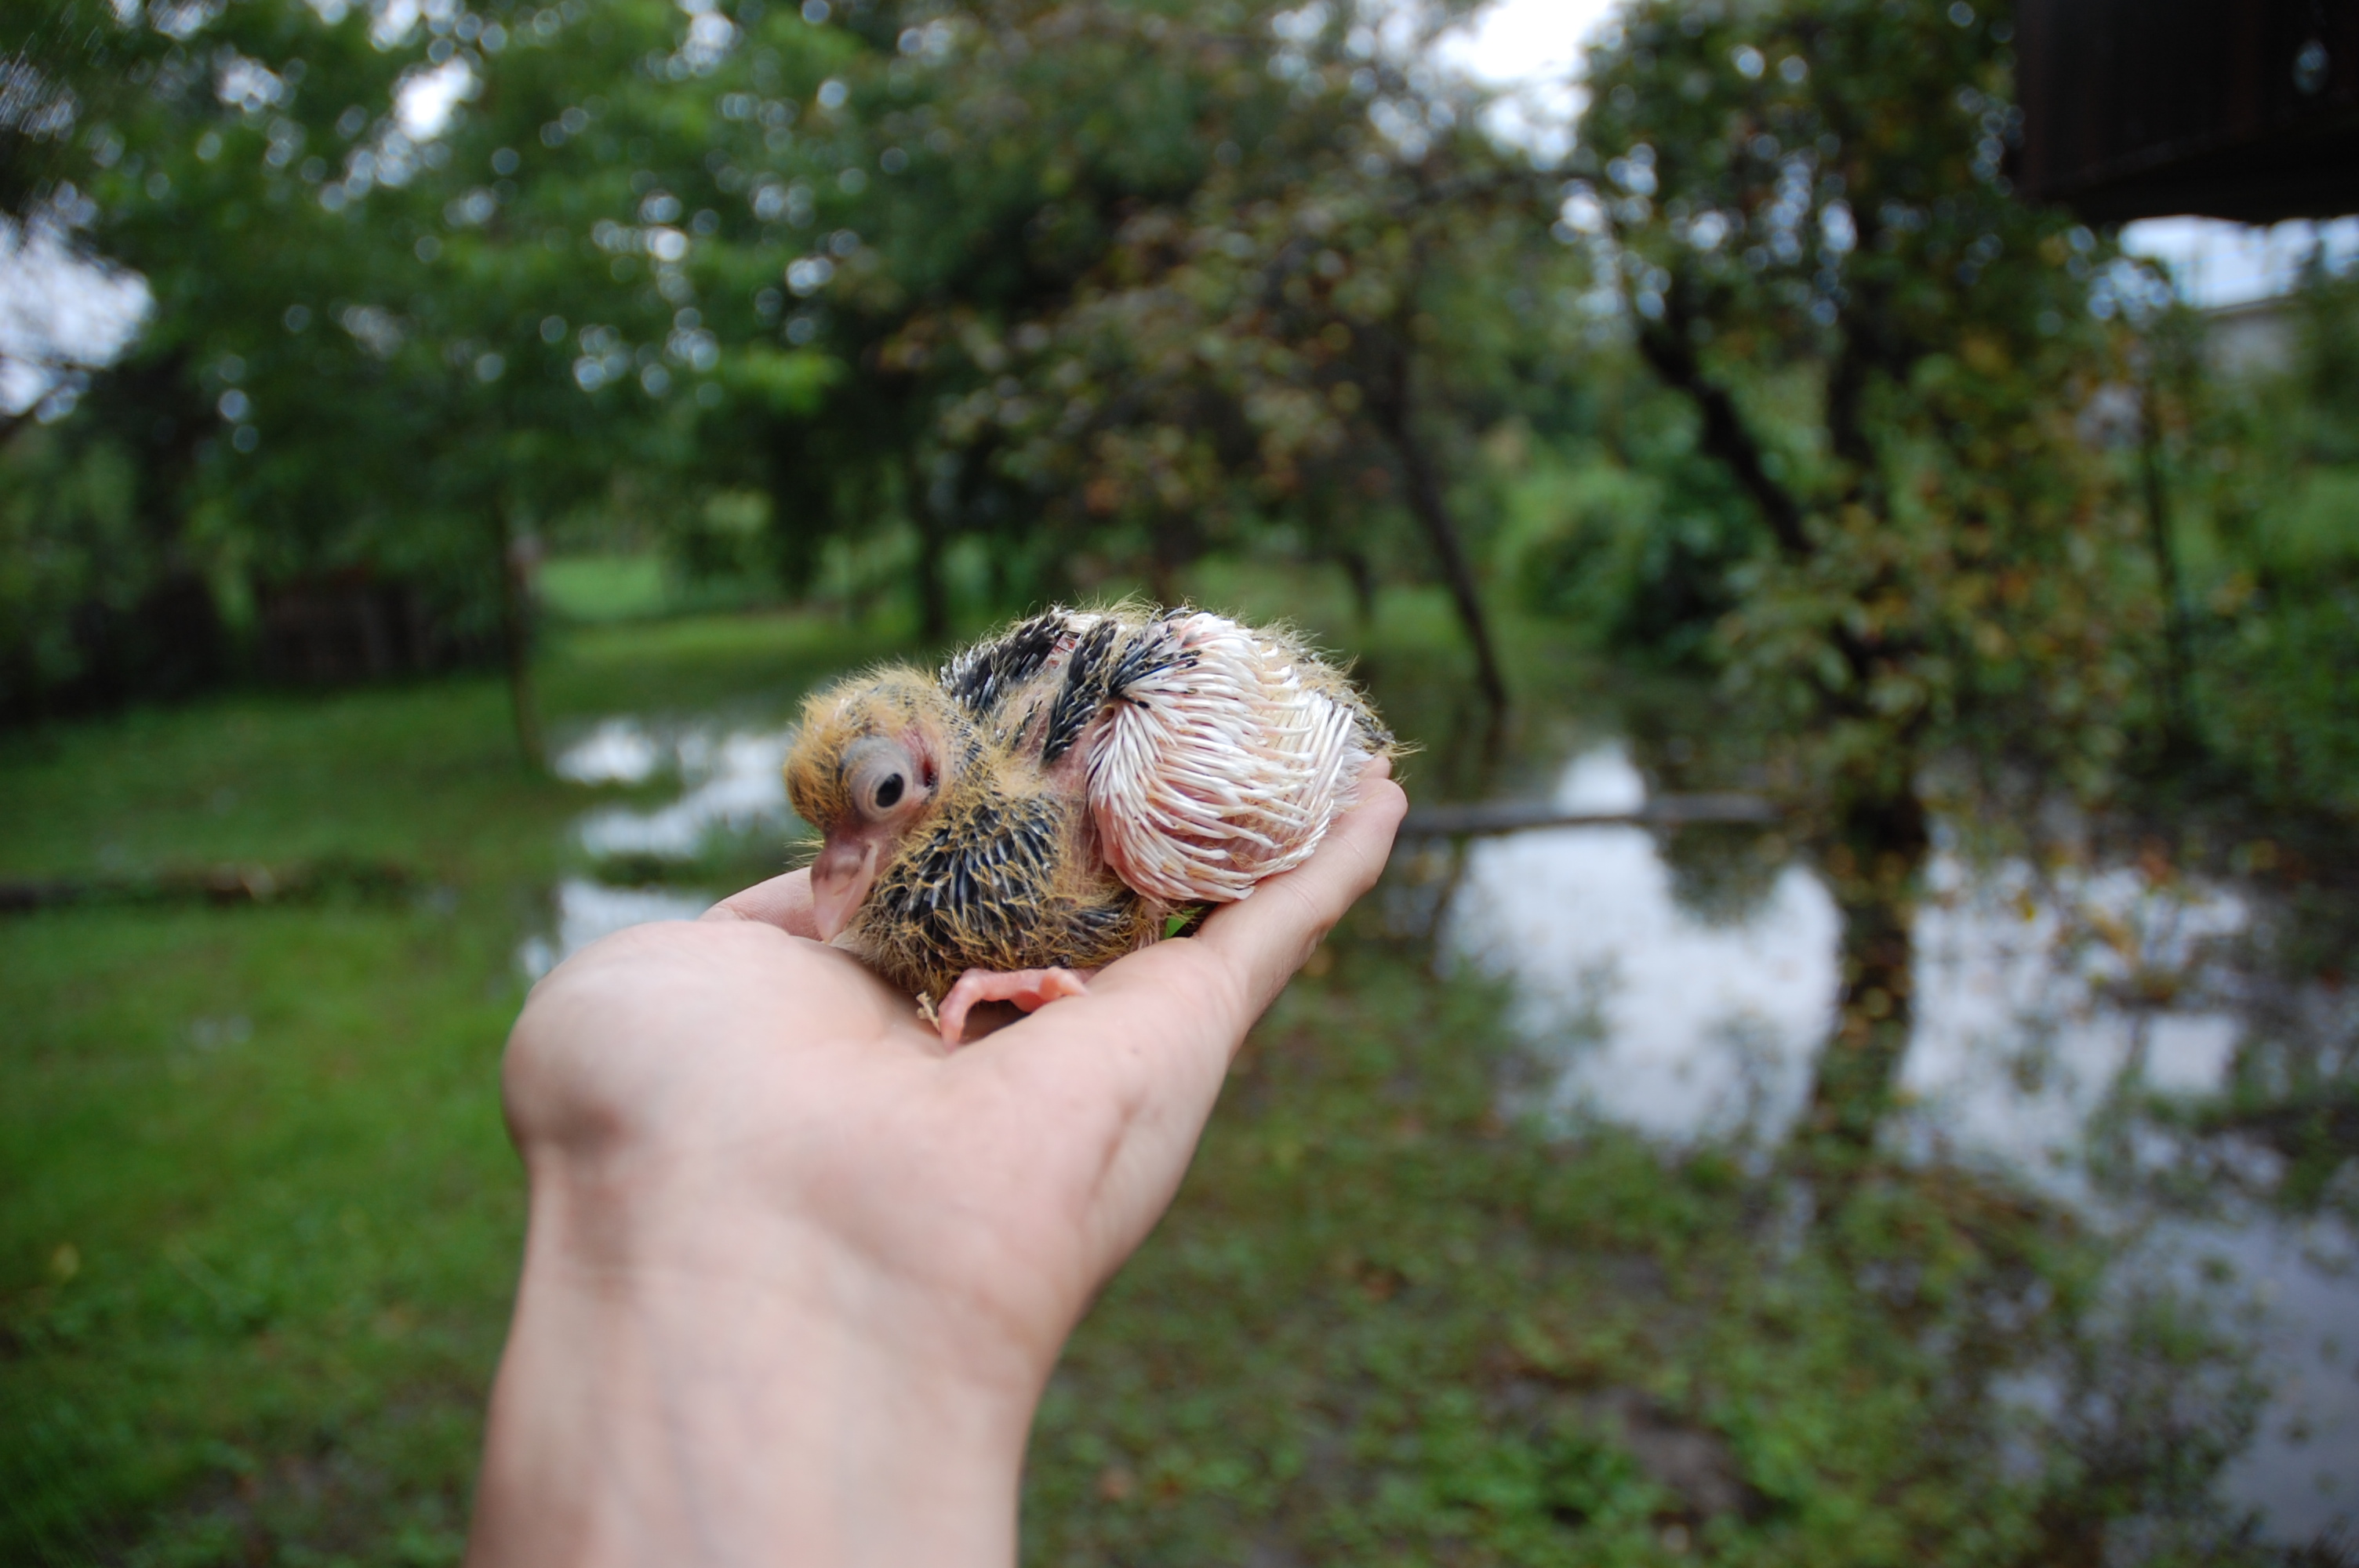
[(1105, 668), (980, 676), (1085, 693)]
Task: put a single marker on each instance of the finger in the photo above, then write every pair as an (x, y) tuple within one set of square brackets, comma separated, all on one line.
[(784, 902), (1267, 936), (1258, 943), (1143, 1053), (1207, 990)]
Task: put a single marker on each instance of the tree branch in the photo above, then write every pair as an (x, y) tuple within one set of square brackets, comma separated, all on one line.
[(1669, 350), (1667, 346), (1392, 408), (1869, 345)]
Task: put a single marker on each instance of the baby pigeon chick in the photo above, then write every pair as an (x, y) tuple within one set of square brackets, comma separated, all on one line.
[(1051, 796)]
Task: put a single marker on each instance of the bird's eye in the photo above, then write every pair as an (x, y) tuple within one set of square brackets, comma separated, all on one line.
[(881, 775)]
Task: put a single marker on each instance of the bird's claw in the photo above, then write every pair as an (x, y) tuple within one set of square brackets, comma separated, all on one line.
[(1030, 990)]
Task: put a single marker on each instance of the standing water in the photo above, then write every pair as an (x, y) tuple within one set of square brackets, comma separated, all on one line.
[(2038, 1012), (732, 785)]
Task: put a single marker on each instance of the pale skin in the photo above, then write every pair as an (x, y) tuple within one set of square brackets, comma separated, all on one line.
[(796, 1270)]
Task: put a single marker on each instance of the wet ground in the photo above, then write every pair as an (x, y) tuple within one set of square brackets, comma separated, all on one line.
[(2038, 1021), (2056, 1005), (729, 787)]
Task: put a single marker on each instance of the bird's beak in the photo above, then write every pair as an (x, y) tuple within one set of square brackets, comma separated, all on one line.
[(839, 881)]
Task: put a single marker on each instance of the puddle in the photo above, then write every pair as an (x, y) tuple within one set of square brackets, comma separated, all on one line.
[(1679, 1028), (616, 750), (731, 783), (587, 911), (2039, 1001), (732, 780)]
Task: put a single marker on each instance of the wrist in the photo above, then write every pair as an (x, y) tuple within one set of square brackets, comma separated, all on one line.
[(682, 1384)]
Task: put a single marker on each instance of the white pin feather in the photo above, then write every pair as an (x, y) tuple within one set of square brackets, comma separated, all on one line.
[(1223, 769)]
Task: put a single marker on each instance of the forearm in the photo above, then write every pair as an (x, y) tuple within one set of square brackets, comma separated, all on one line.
[(742, 1408)]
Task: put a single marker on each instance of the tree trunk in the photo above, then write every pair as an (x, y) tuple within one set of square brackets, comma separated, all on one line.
[(1876, 856), (933, 538), (1876, 864), (1395, 415), (519, 553), (2179, 656), (1363, 573), (802, 503)]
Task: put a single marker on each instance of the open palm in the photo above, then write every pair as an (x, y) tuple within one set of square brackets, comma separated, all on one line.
[(774, 1217)]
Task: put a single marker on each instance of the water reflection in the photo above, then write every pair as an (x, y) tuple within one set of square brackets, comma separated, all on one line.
[(2044, 998), (615, 751), (2047, 1000), (587, 911), (731, 783), (1684, 1029), (733, 780)]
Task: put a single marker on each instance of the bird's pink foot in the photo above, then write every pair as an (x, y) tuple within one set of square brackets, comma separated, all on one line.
[(1030, 990)]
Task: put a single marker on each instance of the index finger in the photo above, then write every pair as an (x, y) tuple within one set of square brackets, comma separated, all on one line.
[(1142, 1057), (1267, 936), (1179, 1010)]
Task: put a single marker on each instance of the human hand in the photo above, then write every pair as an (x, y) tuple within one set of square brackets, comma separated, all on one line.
[(795, 1273)]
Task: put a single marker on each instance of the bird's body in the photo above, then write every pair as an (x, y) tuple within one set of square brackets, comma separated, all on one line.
[(1053, 796), (1000, 875)]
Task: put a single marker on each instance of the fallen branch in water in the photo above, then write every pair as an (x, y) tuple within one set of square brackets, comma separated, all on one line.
[(248, 884), (1494, 817)]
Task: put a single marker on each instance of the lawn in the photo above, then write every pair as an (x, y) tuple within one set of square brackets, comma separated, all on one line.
[(261, 1220)]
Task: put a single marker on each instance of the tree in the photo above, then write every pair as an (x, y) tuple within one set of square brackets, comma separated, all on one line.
[(1804, 210), (1131, 287), (425, 285), (119, 153), (186, 148), (1272, 345), (405, 329)]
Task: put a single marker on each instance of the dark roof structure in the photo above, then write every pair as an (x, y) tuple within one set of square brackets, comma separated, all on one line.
[(2240, 109)]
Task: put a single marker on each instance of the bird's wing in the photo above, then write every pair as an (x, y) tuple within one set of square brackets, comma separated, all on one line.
[(983, 677), (1217, 754)]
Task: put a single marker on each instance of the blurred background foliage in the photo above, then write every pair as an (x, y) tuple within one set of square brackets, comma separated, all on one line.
[(968, 307), (888, 320)]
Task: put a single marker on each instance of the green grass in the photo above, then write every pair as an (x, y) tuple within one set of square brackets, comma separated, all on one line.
[(605, 588), (261, 1221), (254, 1281), (596, 590), (1382, 1326)]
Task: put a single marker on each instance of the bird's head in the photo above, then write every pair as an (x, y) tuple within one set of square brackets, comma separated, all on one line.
[(867, 767)]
